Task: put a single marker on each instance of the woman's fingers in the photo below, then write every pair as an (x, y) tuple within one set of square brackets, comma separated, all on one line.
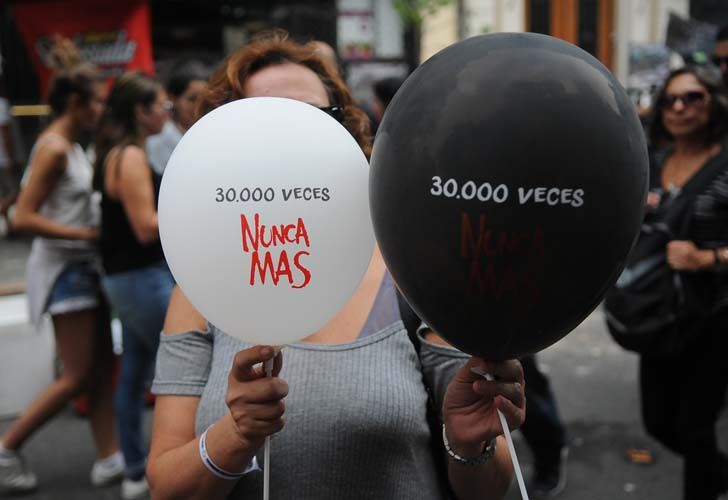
[(258, 429), (244, 368), (492, 389), (255, 399), (262, 390), (505, 371), (269, 411), (278, 363), (514, 415)]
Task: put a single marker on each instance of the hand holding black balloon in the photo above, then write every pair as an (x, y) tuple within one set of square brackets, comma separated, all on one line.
[(507, 186)]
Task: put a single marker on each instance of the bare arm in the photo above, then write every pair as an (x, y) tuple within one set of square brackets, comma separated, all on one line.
[(489, 481), (48, 165), (684, 255), (471, 421), (130, 181), (175, 470)]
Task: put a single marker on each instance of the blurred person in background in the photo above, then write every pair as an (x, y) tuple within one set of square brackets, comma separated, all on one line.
[(186, 82), (9, 163), (136, 277), (682, 394), (57, 206), (720, 52), (384, 91), (544, 433)]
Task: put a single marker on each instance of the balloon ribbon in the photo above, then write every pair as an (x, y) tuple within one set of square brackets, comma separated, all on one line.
[(509, 440), (266, 454), (268, 366)]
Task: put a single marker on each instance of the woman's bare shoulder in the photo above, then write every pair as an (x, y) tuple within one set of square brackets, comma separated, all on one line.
[(182, 316)]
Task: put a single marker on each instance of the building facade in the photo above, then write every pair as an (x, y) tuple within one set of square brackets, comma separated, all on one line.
[(617, 32)]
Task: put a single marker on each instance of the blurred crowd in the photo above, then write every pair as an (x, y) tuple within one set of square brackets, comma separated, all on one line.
[(88, 196)]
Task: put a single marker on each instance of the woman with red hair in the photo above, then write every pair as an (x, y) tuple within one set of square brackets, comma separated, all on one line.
[(357, 419)]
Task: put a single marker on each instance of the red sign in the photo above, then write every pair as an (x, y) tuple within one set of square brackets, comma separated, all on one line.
[(113, 35)]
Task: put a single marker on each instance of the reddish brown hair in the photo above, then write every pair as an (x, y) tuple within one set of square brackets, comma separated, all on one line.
[(227, 83)]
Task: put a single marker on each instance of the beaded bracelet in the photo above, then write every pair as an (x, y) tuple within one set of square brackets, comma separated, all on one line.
[(488, 452)]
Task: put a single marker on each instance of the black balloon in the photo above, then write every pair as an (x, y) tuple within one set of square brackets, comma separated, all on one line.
[(507, 186)]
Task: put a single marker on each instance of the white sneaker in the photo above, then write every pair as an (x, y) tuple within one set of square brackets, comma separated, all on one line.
[(107, 470), (134, 489), (15, 476)]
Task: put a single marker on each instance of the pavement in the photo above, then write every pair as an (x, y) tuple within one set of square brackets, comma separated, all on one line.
[(595, 383)]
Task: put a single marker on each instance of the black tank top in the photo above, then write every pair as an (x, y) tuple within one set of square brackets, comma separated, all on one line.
[(120, 249)]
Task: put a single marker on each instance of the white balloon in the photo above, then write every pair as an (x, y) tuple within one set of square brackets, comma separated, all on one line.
[(264, 218)]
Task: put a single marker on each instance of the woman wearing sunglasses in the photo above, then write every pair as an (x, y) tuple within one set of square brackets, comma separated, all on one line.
[(356, 414), (682, 394)]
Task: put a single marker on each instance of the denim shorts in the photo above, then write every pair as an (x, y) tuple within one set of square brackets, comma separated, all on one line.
[(77, 288)]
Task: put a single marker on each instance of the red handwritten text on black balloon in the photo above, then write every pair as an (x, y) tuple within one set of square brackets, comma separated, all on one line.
[(503, 264)]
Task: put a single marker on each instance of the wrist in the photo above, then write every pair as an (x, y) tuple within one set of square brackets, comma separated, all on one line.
[(721, 256), (221, 468), (706, 259), (467, 450), (238, 439), (227, 447), (474, 453), (82, 233), (459, 444)]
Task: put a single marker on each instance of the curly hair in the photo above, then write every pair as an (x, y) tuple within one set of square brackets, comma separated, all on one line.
[(717, 129), (273, 48)]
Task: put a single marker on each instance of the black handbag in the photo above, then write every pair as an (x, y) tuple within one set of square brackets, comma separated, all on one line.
[(652, 308)]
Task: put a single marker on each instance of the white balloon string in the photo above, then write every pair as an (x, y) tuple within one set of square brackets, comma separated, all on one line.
[(266, 454), (509, 440)]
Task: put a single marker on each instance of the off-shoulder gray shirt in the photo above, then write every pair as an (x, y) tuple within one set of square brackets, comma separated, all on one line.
[(356, 423)]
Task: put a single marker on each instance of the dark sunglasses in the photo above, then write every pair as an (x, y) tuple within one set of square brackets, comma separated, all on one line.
[(691, 98), (718, 60), (336, 112)]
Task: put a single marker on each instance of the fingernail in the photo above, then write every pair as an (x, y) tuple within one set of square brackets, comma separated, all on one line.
[(518, 386), (266, 351)]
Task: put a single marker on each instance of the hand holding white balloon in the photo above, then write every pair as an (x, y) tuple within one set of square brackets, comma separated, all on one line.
[(264, 218)]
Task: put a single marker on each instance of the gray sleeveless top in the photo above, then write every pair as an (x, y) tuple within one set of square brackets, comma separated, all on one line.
[(72, 202), (355, 414)]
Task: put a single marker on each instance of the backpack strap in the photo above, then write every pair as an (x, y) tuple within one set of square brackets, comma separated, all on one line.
[(412, 323), (410, 319)]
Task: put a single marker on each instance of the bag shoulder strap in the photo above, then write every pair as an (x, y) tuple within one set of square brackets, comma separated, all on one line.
[(412, 322), (410, 319)]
